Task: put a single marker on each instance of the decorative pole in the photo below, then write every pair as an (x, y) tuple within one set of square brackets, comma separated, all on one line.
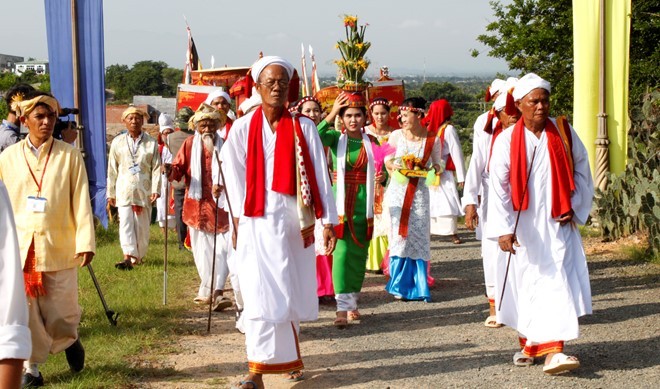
[(602, 140), (76, 74)]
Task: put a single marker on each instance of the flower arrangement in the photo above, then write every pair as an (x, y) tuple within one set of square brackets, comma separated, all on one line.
[(352, 64), (411, 162)]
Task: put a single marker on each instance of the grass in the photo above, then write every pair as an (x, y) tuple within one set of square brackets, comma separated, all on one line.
[(120, 356)]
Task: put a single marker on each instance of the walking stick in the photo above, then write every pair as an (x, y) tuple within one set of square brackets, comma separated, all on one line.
[(112, 316), (215, 243), (515, 228), (167, 208)]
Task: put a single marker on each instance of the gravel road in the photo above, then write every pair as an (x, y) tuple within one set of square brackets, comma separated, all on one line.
[(444, 344)]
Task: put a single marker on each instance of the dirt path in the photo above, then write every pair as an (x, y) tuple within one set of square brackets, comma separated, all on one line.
[(443, 343)]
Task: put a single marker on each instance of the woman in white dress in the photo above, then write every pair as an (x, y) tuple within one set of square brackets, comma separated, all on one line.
[(445, 202), (408, 202)]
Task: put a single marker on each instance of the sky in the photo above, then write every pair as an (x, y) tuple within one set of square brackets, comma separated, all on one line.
[(434, 37)]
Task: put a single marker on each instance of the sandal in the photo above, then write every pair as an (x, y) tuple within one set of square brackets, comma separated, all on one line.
[(124, 265), (221, 303), (561, 362), (354, 315), (456, 240), (294, 376), (202, 300), (253, 385), (520, 359), (341, 321), (491, 322)]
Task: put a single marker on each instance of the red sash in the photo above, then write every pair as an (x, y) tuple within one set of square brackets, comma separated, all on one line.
[(285, 164), (560, 143), (352, 180), (412, 186)]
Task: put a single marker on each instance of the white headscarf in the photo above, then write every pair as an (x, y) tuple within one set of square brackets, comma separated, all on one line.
[(500, 102), (496, 86), (261, 64), (215, 94), (528, 83), (250, 103), (165, 122)]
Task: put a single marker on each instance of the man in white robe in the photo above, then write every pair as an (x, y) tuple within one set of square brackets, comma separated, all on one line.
[(15, 341), (276, 268), (475, 192), (540, 166)]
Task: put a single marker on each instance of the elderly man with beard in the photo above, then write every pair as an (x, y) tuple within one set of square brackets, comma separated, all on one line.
[(278, 185), (197, 163)]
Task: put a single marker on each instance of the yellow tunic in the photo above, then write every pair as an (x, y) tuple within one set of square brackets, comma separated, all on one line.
[(67, 226)]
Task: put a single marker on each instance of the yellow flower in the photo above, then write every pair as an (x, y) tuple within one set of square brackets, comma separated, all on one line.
[(363, 64), (359, 45), (350, 20)]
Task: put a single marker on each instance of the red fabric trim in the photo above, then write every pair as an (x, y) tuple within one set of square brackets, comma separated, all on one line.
[(412, 186), (539, 350), (562, 175), (496, 132), (34, 283), (285, 164), (278, 368)]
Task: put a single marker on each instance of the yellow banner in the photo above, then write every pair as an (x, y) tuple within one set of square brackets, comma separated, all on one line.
[(586, 49)]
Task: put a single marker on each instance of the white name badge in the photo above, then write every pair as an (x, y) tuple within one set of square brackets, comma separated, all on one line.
[(36, 204), (135, 169)]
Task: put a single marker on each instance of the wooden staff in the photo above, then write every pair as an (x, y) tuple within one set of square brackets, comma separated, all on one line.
[(515, 228), (167, 208)]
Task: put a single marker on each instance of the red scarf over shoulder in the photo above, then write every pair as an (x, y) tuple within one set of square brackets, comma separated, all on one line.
[(560, 145), (285, 169)]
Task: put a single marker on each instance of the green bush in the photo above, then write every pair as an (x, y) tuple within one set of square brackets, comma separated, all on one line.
[(631, 202)]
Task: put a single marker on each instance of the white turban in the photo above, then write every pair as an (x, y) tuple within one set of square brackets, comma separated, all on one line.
[(496, 86), (165, 122), (528, 83), (250, 103), (215, 94), (500, 102), (261, 64)]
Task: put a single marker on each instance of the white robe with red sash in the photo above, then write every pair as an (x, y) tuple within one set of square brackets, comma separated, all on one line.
[(548, 284), (276, 272)]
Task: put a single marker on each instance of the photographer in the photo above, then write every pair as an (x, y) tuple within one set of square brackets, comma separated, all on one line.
[(10, 127)]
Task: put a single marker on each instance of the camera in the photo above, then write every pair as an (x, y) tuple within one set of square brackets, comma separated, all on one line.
[(66, 124)]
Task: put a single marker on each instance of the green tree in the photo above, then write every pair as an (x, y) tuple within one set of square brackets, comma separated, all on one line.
[(29, 77), (536, 36), (644, 49), (171, 78)]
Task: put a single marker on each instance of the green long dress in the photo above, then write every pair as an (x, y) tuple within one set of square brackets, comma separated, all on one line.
[(350, 257)]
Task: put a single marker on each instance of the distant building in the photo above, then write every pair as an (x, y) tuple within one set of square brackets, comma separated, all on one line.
[(39, 67), (159, 104), (8, 62)]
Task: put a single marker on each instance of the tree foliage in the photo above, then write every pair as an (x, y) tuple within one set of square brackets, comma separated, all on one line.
[(149, 78), (536, 36), (644, 49)]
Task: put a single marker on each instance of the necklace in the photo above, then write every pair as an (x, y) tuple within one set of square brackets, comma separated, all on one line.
[(409, 148)]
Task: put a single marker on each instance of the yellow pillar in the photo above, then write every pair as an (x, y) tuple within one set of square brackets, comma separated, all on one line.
[(617, 64), (585, 70)]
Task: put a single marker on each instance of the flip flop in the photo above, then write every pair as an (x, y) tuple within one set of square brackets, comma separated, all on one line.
[(341, 323), (246, 382), (221, 304), (354, 315), (561, 362), (520, 359), (294, 376), (456, 240), (491, 322)]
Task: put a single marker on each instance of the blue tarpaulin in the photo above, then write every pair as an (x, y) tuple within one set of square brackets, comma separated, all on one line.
[(91, 63)]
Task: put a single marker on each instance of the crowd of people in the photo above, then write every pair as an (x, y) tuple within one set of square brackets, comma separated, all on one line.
[(294, 207)]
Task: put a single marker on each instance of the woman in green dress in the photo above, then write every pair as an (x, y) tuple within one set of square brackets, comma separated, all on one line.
[(354, 181)]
